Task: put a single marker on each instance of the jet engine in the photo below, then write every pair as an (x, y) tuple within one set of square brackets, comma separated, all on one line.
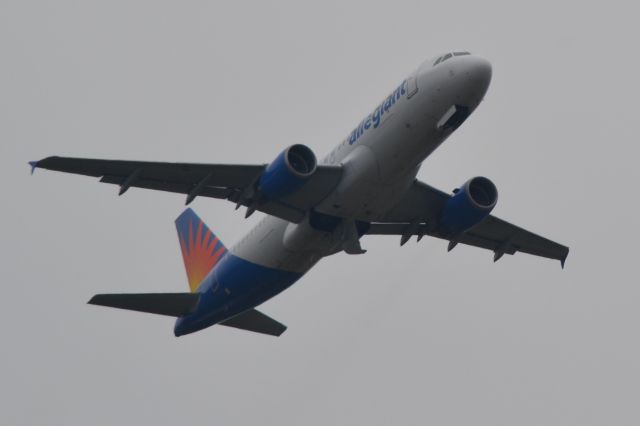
[(469, 205), (288, 172)]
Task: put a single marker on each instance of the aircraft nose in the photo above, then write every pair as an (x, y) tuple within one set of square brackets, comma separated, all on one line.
[(481, 70), (478, 72), (469, 79)]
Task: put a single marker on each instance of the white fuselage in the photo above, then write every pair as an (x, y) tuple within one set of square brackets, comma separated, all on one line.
[(380, 158)]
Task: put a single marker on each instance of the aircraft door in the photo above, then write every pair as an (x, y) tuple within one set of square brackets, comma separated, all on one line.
[(412, 85)]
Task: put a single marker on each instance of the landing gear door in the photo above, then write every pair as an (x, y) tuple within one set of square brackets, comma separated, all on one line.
[(412, 85)]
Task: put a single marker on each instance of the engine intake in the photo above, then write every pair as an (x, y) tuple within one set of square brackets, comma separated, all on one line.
[(288, 172), (470, 204)]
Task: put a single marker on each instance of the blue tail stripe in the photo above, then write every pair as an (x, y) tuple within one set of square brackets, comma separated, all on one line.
[(234, 286)]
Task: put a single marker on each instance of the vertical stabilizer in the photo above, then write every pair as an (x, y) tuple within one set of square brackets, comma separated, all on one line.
[(201, 249)]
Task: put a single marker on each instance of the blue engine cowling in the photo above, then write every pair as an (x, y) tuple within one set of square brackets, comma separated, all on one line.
[(288, 172), (471, 203)]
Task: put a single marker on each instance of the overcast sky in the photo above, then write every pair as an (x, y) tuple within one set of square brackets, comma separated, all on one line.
[(410, 335)]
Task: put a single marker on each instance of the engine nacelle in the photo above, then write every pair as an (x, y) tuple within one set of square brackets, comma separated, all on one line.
[(471, 203), (288, 172)]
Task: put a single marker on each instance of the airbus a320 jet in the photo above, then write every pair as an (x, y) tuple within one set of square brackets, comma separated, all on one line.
[(366, 186)]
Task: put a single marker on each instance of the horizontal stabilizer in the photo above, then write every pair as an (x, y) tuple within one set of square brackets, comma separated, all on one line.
[(256, 321), (171, 304)]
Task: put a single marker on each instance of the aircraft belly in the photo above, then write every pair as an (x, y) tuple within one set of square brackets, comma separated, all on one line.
[(389, 194), (264, 245)]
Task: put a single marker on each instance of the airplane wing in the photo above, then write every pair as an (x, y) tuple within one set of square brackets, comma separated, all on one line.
[(418, 212), (233, 182)]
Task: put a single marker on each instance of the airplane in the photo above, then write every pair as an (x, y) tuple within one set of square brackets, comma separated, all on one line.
[(366, 186)]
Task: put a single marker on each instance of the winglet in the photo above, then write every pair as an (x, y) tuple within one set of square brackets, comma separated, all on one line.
[(34, 166), (564, 259)]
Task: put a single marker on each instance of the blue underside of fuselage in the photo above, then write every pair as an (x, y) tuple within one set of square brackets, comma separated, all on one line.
[(232, 287)]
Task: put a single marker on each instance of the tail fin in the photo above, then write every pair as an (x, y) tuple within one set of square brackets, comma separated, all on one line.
[(201, 249)]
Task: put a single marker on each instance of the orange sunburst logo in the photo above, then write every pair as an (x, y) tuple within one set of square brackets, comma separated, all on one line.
[(201, 251)]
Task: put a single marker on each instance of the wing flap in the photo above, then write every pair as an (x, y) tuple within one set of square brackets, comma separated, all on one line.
[(170, 304), (508, 237), (181, 188), (256, 321)]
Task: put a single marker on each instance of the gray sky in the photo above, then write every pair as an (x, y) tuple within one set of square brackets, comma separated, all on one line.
[(408, 335)]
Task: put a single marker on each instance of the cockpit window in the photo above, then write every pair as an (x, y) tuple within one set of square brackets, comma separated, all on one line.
[(449, 55)]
